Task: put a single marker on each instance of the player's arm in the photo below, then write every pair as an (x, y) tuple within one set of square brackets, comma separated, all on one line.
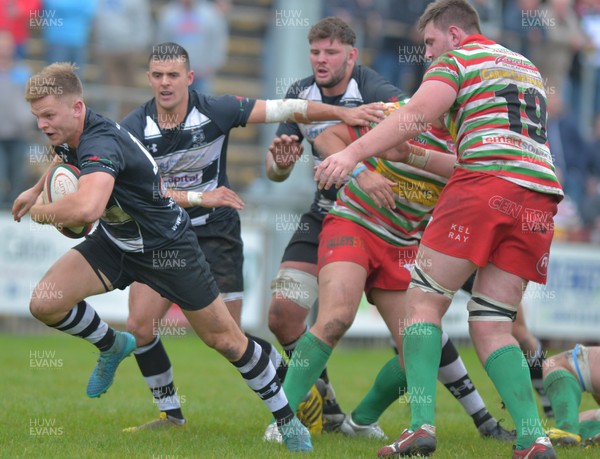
[(27, 198), (220, 197), (339, 136), (84, 206), (379, 188), (432, 99), (429, 160), (303, 111)]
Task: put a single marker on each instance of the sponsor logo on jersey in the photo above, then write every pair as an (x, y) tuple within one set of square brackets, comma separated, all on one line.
[(182, 179), (198, 136)]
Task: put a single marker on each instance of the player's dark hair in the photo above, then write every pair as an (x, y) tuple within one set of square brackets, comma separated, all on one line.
[(169, 51), (58, 79), (445, 13), (333, 28)]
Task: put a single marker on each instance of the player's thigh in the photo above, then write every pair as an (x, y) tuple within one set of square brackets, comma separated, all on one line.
[(500, 285), (68, 281), (448, 271)]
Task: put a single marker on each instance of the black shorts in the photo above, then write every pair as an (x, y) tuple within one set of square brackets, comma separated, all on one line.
[(221, 243), (304, 244), (178, 271)]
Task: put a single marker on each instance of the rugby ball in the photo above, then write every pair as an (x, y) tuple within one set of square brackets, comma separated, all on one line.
[(62, 180)]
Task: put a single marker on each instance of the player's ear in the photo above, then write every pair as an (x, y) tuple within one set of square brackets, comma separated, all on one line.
[(78, 107), (190, 77), (353, 56), (456, 36)]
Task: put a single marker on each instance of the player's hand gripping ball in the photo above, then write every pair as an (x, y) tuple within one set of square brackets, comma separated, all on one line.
[(61, 181)]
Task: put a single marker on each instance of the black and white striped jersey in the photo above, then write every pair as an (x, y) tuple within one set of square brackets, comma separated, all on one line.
[(193, 155), (365, 86)]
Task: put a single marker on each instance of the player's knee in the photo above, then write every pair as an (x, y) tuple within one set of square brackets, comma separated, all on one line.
[(42, 305), (334, 329), (276, 318), (486, 309), (142, 329), (37, 309), (556, 362), (286, 319), (223, 344), (423, 281)]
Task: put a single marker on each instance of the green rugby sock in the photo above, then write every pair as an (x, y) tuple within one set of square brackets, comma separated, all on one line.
[(305, 366), (589, 428), (422, 343), (562, 388), (389, 385), (508, 370)]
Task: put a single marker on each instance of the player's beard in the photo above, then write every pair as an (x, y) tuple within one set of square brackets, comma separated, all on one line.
[(336, 78)]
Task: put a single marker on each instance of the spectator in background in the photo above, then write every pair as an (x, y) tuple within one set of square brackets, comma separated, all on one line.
[(15, 17), (201, 28), (16, 120), (594, 164), (594, 232), (400, 58), (522, 27), (589, 12), (568, 225), (490, 17), (563, 38), (590, 209), (66, 27), (363, 16), (122, 32), (569, 149)]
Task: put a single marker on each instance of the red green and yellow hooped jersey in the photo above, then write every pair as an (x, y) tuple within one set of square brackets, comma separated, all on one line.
[(498, 120), (416, 191)]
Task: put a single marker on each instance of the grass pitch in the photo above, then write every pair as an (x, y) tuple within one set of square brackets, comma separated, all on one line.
[(46, 413)]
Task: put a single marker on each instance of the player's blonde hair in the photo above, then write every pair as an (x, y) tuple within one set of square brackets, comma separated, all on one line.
[(58, 79)]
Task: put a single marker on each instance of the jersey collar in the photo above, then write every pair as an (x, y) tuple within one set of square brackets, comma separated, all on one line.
[(477, 38)]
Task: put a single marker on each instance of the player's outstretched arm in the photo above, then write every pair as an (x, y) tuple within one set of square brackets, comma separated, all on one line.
[(430, 102), (27, 198), (303, 111), (283, 153), (220, 197), (431, 161)]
